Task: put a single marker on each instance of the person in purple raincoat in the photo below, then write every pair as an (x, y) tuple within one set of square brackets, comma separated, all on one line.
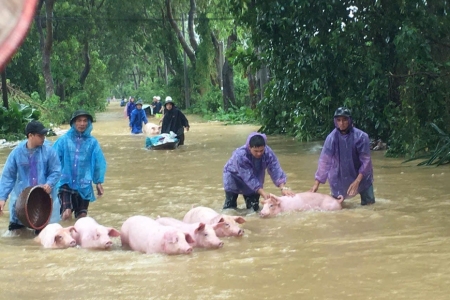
[(245, 171), (345, 160)]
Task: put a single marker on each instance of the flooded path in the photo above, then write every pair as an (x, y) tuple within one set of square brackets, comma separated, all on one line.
[(396, 249)]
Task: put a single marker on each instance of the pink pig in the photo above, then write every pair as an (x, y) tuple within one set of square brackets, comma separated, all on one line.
[(203, 234), (301, 201), (145, 235), (90, 234), (228, 224), (56, 237), (151, 129)]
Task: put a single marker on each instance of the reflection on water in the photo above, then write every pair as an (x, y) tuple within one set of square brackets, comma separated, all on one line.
[(396, 249)]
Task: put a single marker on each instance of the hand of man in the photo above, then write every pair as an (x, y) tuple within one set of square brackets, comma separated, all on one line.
[(100, 190), (353, 188), (2, 206), (287, 192), (187, 128), (47, 188), (315, 187), (263, 194)]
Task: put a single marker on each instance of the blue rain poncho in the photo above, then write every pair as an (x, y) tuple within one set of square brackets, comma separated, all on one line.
[(82, 161), (343, 157), (137, 117), (22, 170), (244, 174)]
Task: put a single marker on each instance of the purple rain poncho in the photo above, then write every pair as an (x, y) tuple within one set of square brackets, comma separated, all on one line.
[(244, 174), (343, 157), (22, 170), (82, 161)]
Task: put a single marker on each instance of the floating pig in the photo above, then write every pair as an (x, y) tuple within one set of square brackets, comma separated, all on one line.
[(301, 201), (223, 225), (56, 237), (90, 234), (203, 234), (151, 129), (145, 235)]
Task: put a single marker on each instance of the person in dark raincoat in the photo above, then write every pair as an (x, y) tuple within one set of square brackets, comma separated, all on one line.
[(245, 171), (174, 120), (345, 160), (137, 118)]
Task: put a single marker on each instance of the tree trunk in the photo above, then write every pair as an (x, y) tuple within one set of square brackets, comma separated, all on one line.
[(87, 63), (179, 34), (218, 60), (46, 43), (191, 31), (251, 78), (4, 89), (228, 76)]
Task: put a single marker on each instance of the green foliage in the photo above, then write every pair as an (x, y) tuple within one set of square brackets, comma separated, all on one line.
[(14, 120), (234, 115), (440, 155), (387, 61)]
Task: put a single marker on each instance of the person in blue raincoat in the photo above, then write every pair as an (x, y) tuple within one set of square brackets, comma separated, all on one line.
[(345, 160), (245, 171), (82, 164), (33, 162), (137, 118)]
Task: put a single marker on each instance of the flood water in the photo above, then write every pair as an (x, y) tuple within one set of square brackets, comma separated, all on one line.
[(398, 248)]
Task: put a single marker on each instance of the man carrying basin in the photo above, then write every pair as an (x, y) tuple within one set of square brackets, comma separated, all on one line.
[(31, 163)]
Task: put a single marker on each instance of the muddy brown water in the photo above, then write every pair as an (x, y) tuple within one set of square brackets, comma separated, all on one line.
[(396, 249)]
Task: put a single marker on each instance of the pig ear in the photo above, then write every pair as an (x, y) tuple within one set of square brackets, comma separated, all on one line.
[(113, 232), (72, 229), (218, 225), (201, 227), (189, 238), (217, 220), (239, 220), (275, 199), (58, 238)]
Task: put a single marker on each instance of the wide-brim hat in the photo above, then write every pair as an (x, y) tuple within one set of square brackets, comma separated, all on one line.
[(79, 113)]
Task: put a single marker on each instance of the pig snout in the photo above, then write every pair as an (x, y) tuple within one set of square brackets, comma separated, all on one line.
[(72, 243), (108, 244), (240, 232), (220, 245), (188, 250)]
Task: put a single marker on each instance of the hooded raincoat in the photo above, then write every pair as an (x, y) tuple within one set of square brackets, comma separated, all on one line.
[(174, 120), (244, 174), (343, 157), (23, 169), (82, 161), (137, 117)]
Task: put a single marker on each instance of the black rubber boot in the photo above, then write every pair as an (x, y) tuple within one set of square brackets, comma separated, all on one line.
[(230, 200), (14, 226), (252, 201)]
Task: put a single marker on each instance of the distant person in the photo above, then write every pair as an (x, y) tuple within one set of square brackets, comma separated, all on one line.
[(245, 171), (33, 162), (156, 105), (82, 164), (131, 105), (137, 118), (174, 120), (345, 160)]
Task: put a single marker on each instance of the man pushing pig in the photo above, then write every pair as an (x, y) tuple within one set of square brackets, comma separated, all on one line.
[(244, 173), (345, 160)]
